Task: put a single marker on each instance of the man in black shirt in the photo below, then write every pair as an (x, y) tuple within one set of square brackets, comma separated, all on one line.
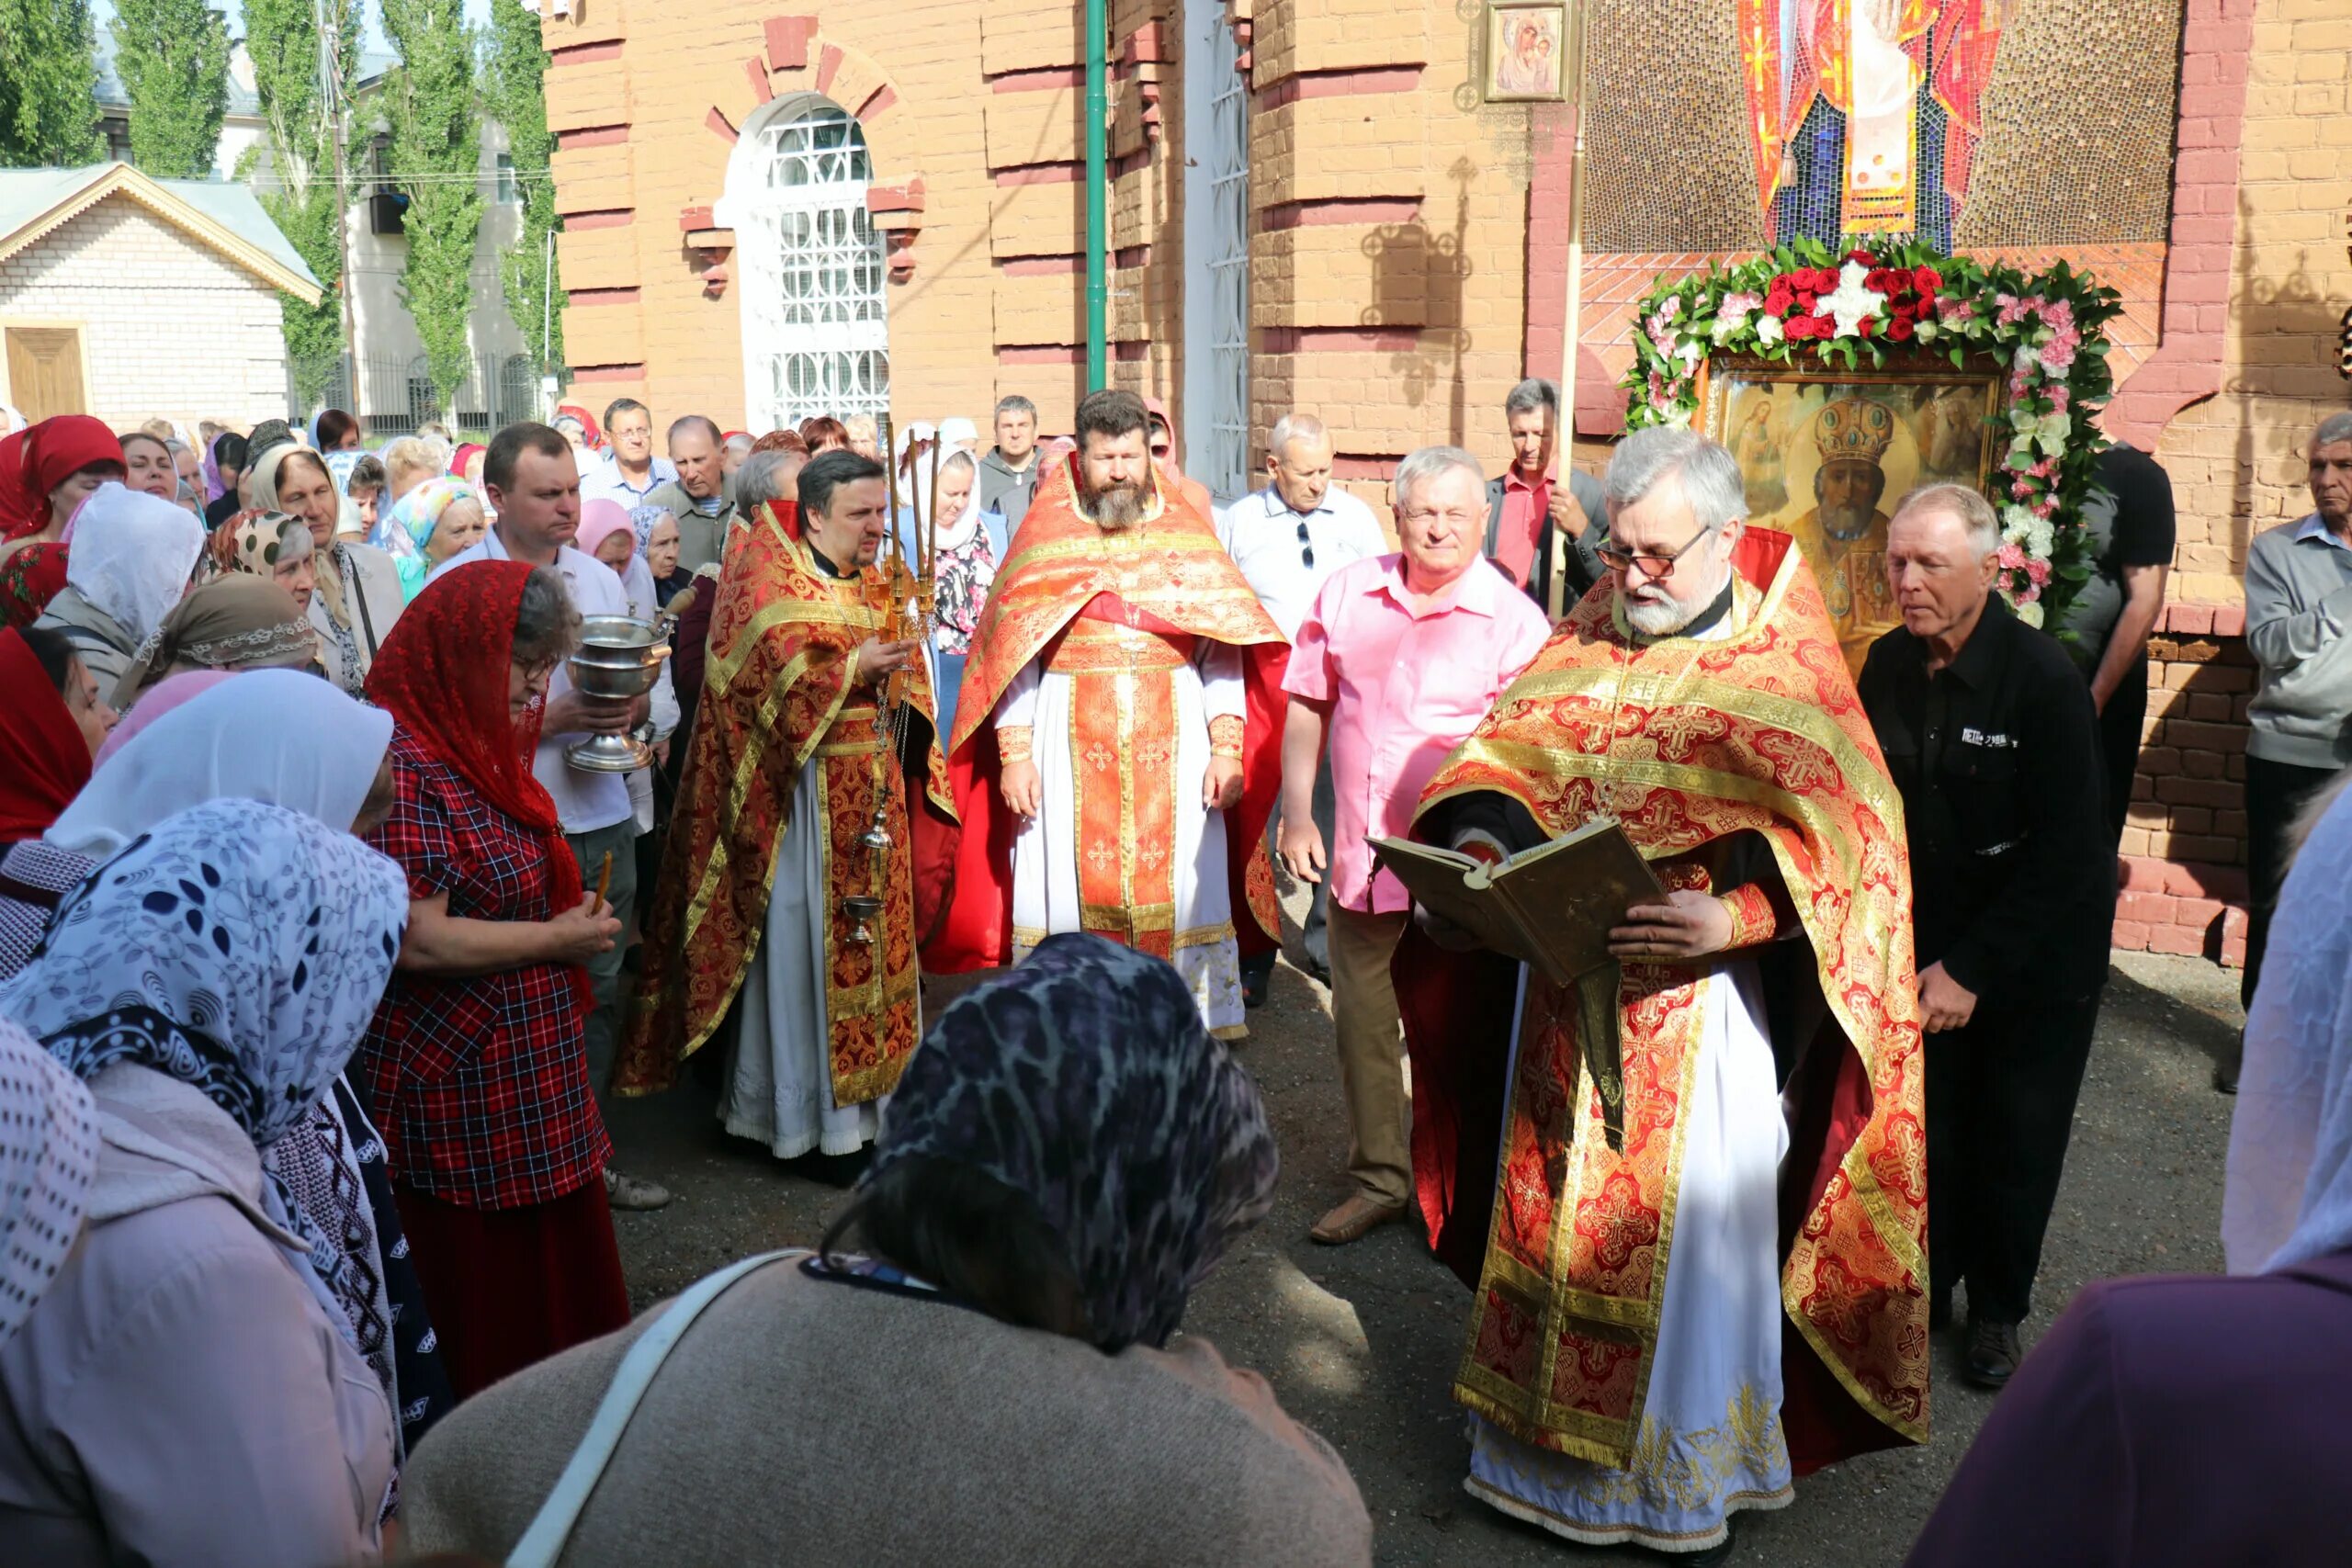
[(2131, 524), (1990, 737)]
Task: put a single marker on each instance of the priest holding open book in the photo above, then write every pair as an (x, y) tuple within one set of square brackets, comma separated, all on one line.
[(1699, 1258)]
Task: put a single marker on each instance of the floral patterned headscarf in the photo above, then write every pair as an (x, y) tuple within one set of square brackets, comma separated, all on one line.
[(1085, 1080)]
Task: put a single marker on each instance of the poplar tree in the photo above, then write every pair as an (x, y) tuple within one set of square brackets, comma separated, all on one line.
[(300, 194), (515, 88), (172, 57), (49, 83), (436, 161)]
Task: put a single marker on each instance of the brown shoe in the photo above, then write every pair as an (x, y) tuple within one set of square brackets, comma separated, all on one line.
[(1355, 1217)]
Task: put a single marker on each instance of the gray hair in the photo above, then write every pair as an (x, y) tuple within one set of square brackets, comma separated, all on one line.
[(1294, 427), (2336, 427), (1534, 395), (739, 442), (547, 626), (414, 455), (1419, 468), (1016, 403), (1975, 512), (758, 481), (1707, 473)]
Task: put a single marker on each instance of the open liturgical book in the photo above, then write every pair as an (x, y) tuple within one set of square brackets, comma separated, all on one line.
[(1550, 906)]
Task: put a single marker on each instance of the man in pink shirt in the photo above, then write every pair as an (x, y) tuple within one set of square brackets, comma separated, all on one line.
[(1399, 658)]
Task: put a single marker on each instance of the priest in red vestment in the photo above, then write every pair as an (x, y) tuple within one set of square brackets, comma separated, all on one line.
[(1103, 756), (1703, 1274), (777, 912)]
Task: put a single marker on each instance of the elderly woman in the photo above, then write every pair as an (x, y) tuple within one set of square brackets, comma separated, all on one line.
[(128, 563), (188, 1390), (475, 1064), (272, 546), (657, 544), (237, 622), (432, 522), (1066, 1156), (52, 718), (970, 543), (358, 596)]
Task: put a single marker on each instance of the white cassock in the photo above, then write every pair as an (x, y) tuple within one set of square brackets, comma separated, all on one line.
[(1044, 856)]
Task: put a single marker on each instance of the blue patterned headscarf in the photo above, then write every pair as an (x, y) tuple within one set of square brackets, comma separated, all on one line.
[(1084, 1079), (238, 946)]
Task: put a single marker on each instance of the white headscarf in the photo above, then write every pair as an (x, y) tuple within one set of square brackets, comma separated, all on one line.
[(279, 736), (2289, 1197), (960, 433), (131, 557), (951, 536), (48, 1151)]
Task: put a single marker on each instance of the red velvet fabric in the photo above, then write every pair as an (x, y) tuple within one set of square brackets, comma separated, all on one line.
[(44, 760)]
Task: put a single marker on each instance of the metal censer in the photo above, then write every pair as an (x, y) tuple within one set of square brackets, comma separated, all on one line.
[(619, 657)]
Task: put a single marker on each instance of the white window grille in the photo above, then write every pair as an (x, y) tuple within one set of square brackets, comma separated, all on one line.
[(816, 336), (1216, 246)]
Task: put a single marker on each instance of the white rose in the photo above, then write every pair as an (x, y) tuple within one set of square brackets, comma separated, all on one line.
[(2030, 613), (2017, 523), (2053, 430), (1769, 329), (2041, 539), (1928, 331)]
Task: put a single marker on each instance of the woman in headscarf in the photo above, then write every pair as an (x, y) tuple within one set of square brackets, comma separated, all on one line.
[(49, 1155), (224, 467), (1066, 1156), (578, 427), (358, 596), (474, 1063), (466, 464), (1163, 451), (189, 1389), (970, 543), (2178, 1420), (273, 545), (237, 622), (657, 543), (47, 471), (130, 562), (607, 532), (52, 718), (426, 526)]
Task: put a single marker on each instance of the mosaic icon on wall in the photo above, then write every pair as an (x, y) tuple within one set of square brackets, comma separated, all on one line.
[(1864, 115), (1826, 455)]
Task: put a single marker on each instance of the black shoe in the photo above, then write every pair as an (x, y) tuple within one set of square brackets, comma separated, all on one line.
[(1318, 970), (1253, 989), (1993, 1352), (2225, 1071)]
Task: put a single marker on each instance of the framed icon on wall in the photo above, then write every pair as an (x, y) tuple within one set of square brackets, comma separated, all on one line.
[(1527, 53)]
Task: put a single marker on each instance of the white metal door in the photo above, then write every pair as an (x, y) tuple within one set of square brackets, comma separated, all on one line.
[(1217, 255), (816, 337)]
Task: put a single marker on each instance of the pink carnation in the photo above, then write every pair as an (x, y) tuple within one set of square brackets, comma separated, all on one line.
[(2059, 398), (2013, 558), (1951, 310), (1739, 303), (2037, 570)]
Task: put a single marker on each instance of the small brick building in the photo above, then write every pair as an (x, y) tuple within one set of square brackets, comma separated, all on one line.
[(774, 208), (131, 297)]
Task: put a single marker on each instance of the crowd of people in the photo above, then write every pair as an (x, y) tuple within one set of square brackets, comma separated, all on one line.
[(322, 953)]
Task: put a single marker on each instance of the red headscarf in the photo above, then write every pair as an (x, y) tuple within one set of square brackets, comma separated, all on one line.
[(441, 673), (44, 761), (464, 455), (587, 425), (36, 460), (29, 578)]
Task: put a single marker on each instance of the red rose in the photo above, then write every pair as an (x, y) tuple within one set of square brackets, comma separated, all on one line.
[(1899, 330), (1928, 278), (1876, 281), (1777, 302), (1862, 257), (1902, 308), (1802, 327), (1824, 279), (1805, 302), (1868, 327)]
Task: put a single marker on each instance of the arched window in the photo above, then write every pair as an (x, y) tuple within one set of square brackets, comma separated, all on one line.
[(810, 266)]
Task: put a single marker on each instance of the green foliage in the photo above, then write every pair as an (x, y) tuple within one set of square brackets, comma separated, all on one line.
[(514, 90), (48, 78), (299, 193), (435, 156), (173, 56), (2042, 337)]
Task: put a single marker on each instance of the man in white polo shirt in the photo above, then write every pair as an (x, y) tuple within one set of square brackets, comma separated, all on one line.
[(533, 485), (1287, 539)]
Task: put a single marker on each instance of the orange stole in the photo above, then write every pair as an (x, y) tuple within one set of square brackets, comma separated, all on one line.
[(779, 698), (1123, 756), (1689, 742)]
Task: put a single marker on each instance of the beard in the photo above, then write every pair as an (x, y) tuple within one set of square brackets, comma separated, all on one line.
[(1118, 507), (1847, 520), (1662, 617)]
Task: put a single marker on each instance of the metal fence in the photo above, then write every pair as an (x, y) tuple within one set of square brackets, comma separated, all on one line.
[(396, 395)]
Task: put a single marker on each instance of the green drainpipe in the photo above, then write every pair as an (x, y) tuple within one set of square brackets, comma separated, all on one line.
[(1097, 226)]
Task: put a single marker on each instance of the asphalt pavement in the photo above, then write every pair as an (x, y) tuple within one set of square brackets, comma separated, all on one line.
[(1361, 1342)]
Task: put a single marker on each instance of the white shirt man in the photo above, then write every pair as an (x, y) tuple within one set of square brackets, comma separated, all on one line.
[(628, 471), (1289, 537)]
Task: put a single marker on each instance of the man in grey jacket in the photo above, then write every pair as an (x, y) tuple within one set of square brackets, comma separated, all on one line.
[(2299, 628), (1008, 472), (698, 497)]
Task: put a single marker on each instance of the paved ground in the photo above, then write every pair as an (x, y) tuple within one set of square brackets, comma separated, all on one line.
[(1361, 1342)]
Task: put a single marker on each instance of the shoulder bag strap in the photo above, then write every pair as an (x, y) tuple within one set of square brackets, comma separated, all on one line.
[(544, 1542), (359, 597)]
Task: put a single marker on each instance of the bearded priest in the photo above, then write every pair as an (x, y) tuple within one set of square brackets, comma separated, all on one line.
[(780, 912), (1100, 755), (1699, 1261)]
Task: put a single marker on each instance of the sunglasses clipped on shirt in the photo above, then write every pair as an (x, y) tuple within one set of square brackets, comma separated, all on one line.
[(1305, 546)]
